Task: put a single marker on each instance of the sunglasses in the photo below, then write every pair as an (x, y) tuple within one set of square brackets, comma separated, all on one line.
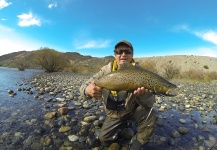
[(119, 51)]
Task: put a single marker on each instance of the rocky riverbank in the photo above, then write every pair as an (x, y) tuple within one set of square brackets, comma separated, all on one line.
[(63, 120)]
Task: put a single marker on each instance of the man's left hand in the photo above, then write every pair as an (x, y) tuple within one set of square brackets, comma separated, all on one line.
[(140, 91)]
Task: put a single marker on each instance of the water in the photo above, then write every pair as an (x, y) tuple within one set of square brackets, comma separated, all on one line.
[(16, 111), (10, 78), (21, 119)]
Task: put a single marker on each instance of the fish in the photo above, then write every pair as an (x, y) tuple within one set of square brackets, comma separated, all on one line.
[(129, 78)]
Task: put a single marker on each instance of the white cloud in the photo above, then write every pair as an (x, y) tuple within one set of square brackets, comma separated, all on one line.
[(3, 19), (211, 52), (197, 51), (28, 20), (91, 44), (207, 35), (210, 36), (11, 41), (4, 3), (52, 5)]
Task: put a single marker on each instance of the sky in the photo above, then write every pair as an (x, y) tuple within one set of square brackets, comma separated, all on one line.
[(93, 27)]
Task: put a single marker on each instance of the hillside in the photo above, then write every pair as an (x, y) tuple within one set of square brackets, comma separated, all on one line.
[(183, 62)]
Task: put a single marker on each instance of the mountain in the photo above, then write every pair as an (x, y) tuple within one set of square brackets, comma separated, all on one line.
[(86, 63), (182, 62)]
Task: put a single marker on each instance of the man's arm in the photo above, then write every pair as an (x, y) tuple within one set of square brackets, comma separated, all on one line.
[(89, 89)]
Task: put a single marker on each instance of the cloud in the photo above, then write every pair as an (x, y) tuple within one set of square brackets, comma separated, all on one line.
[(3, 19), (204, 51), (26, 20), (207, 35), (11, 41), (91, 44), (4, 3), (52, 5), (210, 36), (198, 51)]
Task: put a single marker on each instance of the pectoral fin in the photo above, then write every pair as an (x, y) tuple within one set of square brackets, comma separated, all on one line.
[(121, 95), (105, 93)]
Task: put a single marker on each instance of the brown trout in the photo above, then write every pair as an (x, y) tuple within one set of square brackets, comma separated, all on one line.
[(129, 78)]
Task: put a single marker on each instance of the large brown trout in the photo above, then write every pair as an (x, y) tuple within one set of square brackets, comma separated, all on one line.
[(129, 78)]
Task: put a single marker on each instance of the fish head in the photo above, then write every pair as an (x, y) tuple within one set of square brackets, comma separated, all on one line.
[(168, 90)]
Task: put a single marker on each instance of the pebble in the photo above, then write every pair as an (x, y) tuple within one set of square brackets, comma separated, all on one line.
[(63, 110), (183, 130), (73, 138), (182, 121), (90, 118), (64, 128), (175, 134), (193, 109), (50, 115)]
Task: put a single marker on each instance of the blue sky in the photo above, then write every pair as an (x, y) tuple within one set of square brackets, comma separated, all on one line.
[(93, 27)]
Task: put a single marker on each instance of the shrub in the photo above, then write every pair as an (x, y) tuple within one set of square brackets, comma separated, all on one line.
[(170, 70), (149, 65), (210, 76), (206, 67), (193, 74), (50, 60)]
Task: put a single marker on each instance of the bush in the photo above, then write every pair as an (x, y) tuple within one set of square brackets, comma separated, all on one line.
[(206, 67), (211, 76), (149, 65), (193, 74), (51, 60), (170, 70)]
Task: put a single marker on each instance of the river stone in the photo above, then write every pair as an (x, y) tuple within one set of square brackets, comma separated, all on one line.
[(201, 148), (46, 141), (182, 121), (64, 128), (60, 99), (63, 110), (73, 138), (183, 130), (90, 118), (50, 115), (84, 123), (175, 134)]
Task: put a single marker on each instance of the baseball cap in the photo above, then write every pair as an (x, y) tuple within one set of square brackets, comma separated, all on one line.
[(124, 42)]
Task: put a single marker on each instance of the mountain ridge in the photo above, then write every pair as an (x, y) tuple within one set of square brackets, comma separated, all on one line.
[(183, 62)]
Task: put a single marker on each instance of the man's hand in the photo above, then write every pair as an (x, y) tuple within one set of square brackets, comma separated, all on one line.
[(140, 91), (94, 91)]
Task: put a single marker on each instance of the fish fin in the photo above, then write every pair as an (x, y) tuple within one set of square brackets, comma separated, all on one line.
[(126, 65), (121, 95), (105, 93)]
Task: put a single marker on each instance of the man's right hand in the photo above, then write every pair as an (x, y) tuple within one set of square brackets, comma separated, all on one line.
[(94, 91)]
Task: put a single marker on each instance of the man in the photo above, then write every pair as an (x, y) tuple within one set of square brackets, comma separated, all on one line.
[(122, 106)]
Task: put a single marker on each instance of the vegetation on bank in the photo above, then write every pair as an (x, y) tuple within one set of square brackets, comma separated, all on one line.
[(51, 60), (172, 71)]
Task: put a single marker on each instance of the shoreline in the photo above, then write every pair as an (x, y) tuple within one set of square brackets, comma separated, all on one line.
[(65, 121)]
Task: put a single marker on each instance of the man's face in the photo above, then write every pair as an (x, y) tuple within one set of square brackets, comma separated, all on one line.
[(123, 54)]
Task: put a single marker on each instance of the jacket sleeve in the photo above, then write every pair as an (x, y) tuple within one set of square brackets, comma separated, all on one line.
[(146, 100), (104, 70)]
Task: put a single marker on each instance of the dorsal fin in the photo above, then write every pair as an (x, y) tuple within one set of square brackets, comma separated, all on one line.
[(126, 66)]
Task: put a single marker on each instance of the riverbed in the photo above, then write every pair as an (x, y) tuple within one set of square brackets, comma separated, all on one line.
[(45, 111)]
